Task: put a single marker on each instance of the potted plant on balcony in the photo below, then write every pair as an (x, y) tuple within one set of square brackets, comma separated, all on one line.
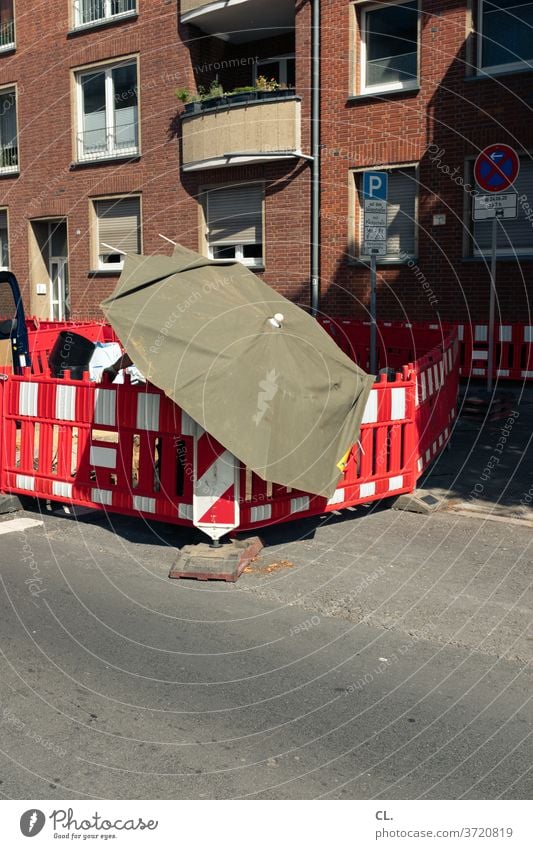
[(191, 102), (266, 88), (242, 94)]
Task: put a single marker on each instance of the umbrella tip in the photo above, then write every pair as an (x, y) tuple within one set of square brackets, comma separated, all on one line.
[(277, 319)]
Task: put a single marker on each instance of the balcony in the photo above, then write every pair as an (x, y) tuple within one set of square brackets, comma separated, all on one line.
[(90, 12), (237, 129), (239, 21), (9, 159), (7, 34), (99, 144)]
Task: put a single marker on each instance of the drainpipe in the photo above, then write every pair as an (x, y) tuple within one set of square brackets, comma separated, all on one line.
[(315, 151)]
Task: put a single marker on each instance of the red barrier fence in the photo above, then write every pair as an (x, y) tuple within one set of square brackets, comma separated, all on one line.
[(130, 449)]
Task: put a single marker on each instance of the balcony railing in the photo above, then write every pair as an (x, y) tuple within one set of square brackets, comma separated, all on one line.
[(88, 12), (241, 128), (7, 34), (9, 159), (95, 145)]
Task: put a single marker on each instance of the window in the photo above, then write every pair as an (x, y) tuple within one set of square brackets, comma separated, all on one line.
[(401, 213), (235, 224), (4, 242), (9, 155), (118, 230), (88, 12), (7, 25), (515, 236), (108, 112), (389, 47), (279, 68), (505, 35)]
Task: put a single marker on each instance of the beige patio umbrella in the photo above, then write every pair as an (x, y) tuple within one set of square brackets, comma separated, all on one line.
[(253, 369)]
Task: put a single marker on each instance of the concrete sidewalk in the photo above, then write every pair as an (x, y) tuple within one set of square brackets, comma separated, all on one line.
[(488, 467)]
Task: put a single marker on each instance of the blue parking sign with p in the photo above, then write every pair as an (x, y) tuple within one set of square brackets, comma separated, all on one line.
[(375, 185)]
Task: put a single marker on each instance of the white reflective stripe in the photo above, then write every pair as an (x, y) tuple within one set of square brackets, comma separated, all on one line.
[(397, 403), (452, 412), (461, 332), (26, 482), (337, 497), (105, 407), (144, 504), (430, 382), (480, 355), (102, 496), (527, 374), (396, 483), (298, 505), (502, 372), (481, 333), (446, 432), (442, 372), (441, 440), (188, 425), (29, 393), (420, 464), (428, 456), (367, 489), (371, 409), (218, 478), (506, 333), (64, 490), (148, 411), (261, 513), (480, 371), (528, 333), (22, 360), (105, 457), (185, 511), (436, 375), (450, 360), (434, 447), (423, 385), (66, 402)]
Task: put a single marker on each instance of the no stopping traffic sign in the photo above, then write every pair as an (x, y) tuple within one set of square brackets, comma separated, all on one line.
[(496, 168)]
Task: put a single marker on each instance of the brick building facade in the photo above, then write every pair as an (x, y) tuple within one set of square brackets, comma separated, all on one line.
[(99, 156)]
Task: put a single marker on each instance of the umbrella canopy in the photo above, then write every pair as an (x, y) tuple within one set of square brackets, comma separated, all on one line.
[(276, 392)]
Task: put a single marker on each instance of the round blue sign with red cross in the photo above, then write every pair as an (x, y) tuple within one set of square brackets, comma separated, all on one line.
[(496, 168)]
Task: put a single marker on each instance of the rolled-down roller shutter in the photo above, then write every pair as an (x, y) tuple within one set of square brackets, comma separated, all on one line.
[(235, 215), (119, 225)]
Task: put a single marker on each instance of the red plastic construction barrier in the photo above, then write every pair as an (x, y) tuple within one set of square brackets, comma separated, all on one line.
[(130, 449)]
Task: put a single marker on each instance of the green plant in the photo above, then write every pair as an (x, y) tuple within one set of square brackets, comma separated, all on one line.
[(183, 94), (262, 84)]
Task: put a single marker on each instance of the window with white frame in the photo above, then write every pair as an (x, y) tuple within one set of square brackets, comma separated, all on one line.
[(9, 154), (401, 213), (4, 240), (389, 46), (505, 30), (108, 112), (281, 69), (7, 25), (234, 217), (88, 12), (117, 231), (514, 235)]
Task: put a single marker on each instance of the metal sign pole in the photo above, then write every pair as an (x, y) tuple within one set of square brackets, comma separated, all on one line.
[(373, 316), (490, 362)]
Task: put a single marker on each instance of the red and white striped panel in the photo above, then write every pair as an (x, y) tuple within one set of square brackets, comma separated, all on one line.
[(215, 508)]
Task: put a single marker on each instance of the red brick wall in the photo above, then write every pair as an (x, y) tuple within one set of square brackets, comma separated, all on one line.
[(47, 186), (458, 115)]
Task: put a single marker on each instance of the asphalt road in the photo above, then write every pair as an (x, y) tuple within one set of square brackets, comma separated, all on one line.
[(385, 656)]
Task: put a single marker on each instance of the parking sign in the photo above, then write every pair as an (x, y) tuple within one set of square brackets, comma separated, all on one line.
[(375, 191)]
